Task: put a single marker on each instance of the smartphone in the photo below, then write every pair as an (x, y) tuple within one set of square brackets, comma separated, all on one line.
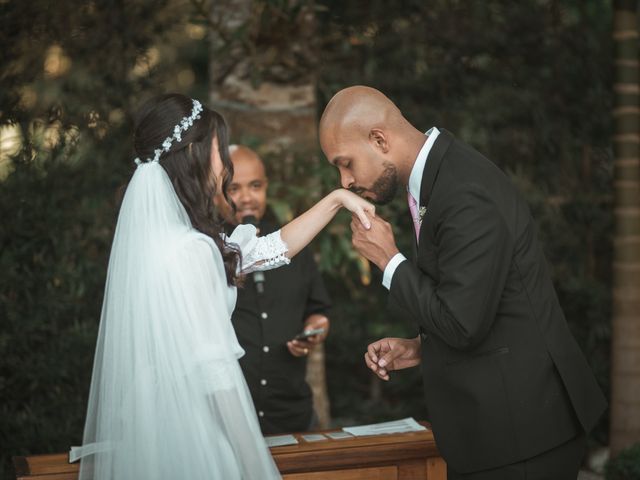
[(309, 333)]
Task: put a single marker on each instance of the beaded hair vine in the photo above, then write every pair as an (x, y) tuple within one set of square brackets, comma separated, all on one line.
[(183, 126)]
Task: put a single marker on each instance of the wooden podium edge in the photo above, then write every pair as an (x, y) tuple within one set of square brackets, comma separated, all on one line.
[(301, 457)]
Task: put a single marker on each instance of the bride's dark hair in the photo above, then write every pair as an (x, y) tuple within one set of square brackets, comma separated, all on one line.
[(188, 163)]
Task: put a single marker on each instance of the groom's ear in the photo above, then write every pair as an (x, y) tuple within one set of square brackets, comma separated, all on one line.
[(379, 139)]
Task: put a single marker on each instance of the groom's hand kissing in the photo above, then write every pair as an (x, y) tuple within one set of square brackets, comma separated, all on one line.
[(377, 244)]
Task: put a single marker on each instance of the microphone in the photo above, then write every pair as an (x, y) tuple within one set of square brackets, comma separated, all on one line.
[(250, 220), (258, 277)]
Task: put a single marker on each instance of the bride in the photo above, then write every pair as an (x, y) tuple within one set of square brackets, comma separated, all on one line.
[(168, 399)]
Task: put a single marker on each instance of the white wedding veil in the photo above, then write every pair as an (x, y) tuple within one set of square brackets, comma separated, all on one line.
[(167, 399)]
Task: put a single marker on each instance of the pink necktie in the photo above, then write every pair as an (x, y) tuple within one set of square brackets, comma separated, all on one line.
[(413, 208)]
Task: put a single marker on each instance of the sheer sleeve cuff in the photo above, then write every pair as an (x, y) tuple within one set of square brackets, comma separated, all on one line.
[(259, 253)]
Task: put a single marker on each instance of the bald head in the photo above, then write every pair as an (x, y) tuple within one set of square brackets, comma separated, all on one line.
[(360, 108), (364, 134), (248, 188), (241, 154)]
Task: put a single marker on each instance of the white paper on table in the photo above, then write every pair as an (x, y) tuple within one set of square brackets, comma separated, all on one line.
[(397, 426), (314, 437), (280, 440), (339, 435)]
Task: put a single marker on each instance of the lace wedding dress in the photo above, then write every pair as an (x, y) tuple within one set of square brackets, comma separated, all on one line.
[(168, 399)]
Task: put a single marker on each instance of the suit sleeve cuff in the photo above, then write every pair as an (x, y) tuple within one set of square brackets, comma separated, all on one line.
[(390, 269)]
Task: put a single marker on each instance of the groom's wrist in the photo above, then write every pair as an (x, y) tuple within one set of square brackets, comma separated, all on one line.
[(382, 264), (390, 268)]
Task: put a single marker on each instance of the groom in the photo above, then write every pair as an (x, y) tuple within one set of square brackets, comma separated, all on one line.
[(508, 391)]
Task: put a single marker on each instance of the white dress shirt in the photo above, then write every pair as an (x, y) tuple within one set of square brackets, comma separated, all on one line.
[(415, 183)]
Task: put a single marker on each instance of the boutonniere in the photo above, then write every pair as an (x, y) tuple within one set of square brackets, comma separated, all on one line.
[(421, 213)]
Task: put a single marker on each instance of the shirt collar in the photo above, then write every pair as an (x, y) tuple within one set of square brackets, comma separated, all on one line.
[(415, 179)]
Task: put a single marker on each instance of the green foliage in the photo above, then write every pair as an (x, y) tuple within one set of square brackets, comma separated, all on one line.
[(508, 77), (72, 74), (626, 466), (53, 259)]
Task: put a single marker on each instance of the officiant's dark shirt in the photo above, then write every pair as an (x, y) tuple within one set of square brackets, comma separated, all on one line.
[(263, 324)]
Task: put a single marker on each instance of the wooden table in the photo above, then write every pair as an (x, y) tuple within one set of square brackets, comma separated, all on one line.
[(406, 456)]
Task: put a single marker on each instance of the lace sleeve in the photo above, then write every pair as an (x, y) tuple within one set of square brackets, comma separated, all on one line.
[(259, 253)]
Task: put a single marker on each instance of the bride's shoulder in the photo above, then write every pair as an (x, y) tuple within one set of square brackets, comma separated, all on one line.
[(192, 239), (197, 245)]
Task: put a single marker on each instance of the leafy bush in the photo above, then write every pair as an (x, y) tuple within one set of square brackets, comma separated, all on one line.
[(626, 466), (508, 77)]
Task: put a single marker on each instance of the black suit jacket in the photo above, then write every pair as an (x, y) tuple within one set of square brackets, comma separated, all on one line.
[(504, 378)]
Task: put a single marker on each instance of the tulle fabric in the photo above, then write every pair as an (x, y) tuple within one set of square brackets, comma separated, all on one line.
[(168, 399)]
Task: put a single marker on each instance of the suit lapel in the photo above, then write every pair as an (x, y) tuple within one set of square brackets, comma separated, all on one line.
[(431, 169), (414, 250), (434, 160)]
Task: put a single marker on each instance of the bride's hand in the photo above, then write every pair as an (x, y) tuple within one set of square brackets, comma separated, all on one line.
[(358, 206)]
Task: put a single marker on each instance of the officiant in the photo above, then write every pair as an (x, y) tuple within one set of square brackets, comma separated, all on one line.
[(274, 307)]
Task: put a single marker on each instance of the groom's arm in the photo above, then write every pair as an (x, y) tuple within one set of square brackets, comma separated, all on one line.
[(474, 251)]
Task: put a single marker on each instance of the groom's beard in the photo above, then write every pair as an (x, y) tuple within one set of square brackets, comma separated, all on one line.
[(384, 189)]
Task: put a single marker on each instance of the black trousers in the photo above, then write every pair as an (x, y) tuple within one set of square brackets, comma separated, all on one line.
[(560, 463)]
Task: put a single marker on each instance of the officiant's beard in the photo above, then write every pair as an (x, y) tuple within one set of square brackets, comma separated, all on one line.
[(384, 189)]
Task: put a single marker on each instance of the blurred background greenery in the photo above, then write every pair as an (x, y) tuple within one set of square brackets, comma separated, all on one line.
[(528, 83)]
